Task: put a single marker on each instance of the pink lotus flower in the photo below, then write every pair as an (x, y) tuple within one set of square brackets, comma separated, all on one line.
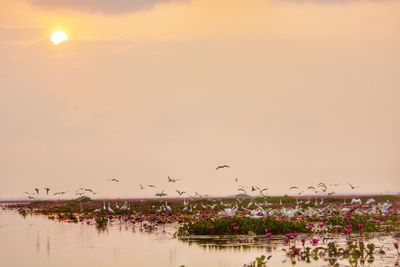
[(268, 234), (348, 229), (292, 235), (235, 226), (314, 241)]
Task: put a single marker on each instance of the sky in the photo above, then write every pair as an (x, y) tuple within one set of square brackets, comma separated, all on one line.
[(286, 92)]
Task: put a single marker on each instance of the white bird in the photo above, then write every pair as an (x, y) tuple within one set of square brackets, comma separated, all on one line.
[(125, 206), (212, 206), (257, 213), (289, 212), (185, 204), (370, 201), (228, 212), (110, 210), (104, 205), (384, 207), (356, 201), (168, 208)]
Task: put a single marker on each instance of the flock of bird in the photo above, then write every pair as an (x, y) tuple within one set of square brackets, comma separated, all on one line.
[(304, 206), (82, 191), (263, 208), (321, 188)]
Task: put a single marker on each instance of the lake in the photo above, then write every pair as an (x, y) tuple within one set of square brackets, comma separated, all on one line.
[(35, 240)]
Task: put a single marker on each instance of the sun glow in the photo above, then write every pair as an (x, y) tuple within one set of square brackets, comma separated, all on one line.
[(58, 37)]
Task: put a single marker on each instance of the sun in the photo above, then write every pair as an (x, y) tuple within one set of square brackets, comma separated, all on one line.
[(58, 37)]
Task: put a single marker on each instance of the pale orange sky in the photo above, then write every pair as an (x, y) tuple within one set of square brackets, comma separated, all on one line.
[(290, 92)]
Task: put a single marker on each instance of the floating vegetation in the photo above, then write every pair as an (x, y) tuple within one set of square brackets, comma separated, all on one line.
[(356, 253), (259, 262), (101, 222), (241, 225)]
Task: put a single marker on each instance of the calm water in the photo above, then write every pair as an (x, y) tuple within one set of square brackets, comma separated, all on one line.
[(38, 241)]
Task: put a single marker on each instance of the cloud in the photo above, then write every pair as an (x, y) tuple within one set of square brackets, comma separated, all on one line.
[(101, 6)]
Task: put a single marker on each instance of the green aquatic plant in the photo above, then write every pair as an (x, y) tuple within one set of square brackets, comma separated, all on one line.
[(259, 262), (101, 222), (241, 225), (355, 252), (357, 223)]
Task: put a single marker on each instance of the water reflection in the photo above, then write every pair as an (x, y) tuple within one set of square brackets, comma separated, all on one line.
[(37, 241), (373, 249)]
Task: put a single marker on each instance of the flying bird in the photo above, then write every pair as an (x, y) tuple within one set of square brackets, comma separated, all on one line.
[(90, 190), (352, 187), (244, 191), (180, 192), (47, 190), (172, 180), (262, 190), (60, 193), (37, 190), (150, 185), (113, 180), (161, 194), (141, 187), (293, 187), (222, 167)]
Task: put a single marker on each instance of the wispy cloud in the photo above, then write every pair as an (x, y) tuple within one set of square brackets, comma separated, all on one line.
[(101, 6)]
